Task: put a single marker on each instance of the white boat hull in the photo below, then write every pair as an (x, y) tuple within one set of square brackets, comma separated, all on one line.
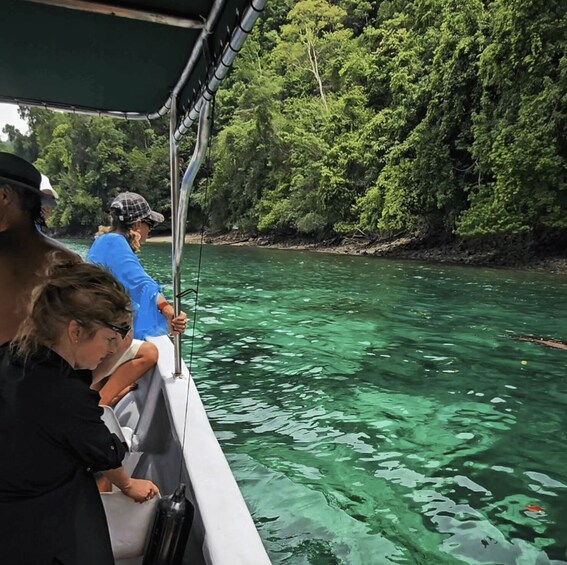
[(163, 419)]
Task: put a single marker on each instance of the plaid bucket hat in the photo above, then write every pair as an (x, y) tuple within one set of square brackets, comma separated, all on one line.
[(132, 206)]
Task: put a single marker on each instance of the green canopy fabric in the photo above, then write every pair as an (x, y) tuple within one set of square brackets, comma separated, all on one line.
[(74, 58)]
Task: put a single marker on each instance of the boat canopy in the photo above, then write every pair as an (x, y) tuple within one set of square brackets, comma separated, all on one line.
[(123, 57), (132, 59)]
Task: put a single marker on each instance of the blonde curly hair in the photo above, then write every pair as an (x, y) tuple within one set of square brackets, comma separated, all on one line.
[(132, 236)]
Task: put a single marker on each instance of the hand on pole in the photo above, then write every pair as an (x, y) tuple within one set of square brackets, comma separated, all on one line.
[(178, 324)]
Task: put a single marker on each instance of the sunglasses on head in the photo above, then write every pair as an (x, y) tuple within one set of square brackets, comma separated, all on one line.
[(122, 330)]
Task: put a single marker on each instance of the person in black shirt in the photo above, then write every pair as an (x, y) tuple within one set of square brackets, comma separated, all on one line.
[(52, 438)]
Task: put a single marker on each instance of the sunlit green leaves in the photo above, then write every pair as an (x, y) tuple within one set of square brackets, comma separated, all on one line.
[(435, 116)]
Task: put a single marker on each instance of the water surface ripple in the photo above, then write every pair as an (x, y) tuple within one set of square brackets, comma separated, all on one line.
[(378, 412)]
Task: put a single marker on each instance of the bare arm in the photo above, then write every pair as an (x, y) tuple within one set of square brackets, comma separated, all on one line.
[(139, 490)]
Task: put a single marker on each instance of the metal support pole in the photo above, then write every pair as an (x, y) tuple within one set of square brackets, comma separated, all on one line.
[(174, 180), (180, 206)]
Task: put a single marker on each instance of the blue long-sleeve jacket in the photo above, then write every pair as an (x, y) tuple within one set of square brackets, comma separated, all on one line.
[(112, 251)]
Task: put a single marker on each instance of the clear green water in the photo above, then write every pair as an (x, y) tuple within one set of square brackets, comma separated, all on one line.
[(379, 412)]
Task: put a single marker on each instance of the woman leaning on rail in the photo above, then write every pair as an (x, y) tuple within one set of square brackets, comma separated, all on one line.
[(116, 248), (52, 438)]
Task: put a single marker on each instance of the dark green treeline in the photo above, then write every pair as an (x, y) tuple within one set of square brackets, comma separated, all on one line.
[(423, 116)]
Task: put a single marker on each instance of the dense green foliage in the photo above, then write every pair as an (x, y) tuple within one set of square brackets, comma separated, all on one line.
[(429, 116)]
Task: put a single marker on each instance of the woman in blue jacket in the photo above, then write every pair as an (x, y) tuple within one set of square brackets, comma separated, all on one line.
[(115, 248)]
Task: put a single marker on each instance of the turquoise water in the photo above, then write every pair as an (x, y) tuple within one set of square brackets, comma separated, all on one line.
[(379, 412)]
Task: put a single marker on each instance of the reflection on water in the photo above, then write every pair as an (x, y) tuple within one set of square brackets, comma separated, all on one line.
[(379, 412)]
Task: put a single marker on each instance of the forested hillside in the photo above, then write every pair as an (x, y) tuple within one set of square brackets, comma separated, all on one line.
[(392, 117)]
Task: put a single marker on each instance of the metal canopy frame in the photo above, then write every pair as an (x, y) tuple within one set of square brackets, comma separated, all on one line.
[(214, 74), (122, 12), (199, 109)]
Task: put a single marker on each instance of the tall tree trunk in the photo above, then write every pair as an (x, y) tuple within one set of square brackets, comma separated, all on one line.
[(312, 54)]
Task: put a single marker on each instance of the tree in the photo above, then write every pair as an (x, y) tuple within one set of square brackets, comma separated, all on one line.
[(435, 117), (314, 33), (519, 129)]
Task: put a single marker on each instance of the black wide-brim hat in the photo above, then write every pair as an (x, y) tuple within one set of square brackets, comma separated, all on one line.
[(18, 172)]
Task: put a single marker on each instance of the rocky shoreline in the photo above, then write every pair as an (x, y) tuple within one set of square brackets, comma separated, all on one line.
[(514, 254)]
